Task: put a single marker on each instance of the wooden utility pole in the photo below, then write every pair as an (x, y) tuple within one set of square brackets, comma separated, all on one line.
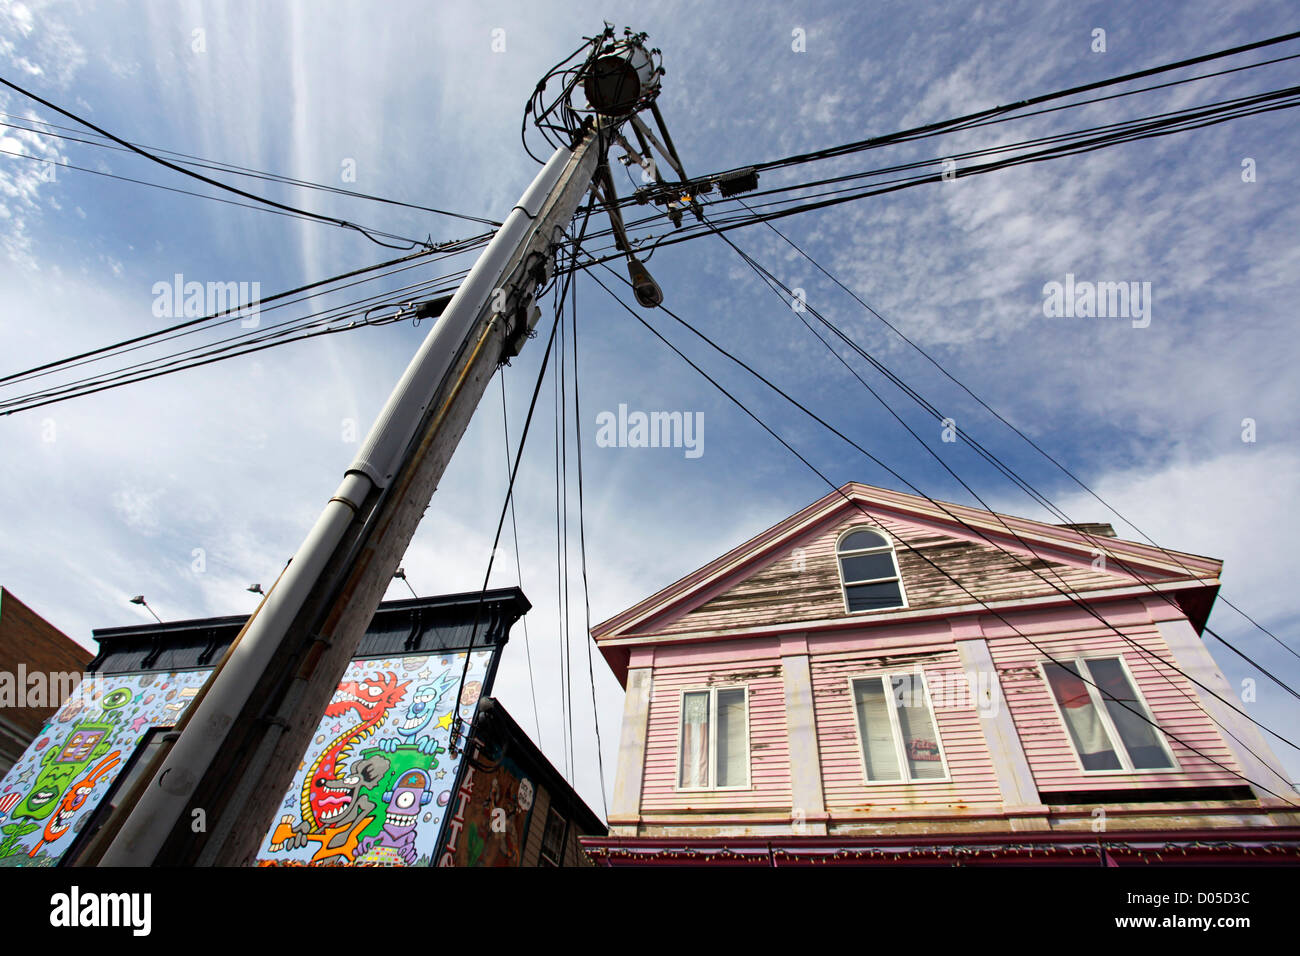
[(214, 790)]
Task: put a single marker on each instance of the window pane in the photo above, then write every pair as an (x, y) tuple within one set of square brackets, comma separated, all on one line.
[(871, 597), (860, 540), (1138, 736), (920, 743), (733, 748), (1081, 719), (553, 839), (695, 740), (877, 733), (867, 567)]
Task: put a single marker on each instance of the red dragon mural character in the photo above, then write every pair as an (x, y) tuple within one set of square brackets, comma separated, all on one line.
[(334, 811)]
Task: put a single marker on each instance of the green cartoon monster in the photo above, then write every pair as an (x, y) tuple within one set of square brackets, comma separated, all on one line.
[(86, 742), (403, 758)]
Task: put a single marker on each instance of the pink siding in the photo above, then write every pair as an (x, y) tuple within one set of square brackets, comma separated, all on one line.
[(972, 784), (796, 579), (1170, 697), (756, 664)]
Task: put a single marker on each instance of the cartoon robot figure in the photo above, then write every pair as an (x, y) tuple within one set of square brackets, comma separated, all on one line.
[(412, 791), (86, 742)]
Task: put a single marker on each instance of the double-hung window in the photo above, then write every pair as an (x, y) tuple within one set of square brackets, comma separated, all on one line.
[(1109, 724), (868, 571), (714, 732), (896, 729)]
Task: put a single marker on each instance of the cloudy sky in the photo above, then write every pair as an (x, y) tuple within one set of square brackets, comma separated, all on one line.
[(116, 494)]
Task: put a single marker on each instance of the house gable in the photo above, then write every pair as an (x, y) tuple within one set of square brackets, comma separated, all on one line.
[(948, 556)]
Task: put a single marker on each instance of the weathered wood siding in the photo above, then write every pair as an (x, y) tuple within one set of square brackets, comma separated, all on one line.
[(756, 664), (532, 854), (803, 583), (1170, 697), (972, 784), (573, 854)]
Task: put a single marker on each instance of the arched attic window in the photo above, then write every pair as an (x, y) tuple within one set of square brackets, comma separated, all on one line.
[(869, 571)]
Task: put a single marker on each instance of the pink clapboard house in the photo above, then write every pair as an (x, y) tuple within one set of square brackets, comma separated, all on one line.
[(883, 678)]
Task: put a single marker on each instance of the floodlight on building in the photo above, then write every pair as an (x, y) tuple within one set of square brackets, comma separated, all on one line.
[(139, 599)]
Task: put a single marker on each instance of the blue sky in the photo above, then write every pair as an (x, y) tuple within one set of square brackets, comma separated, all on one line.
[(236, 459)]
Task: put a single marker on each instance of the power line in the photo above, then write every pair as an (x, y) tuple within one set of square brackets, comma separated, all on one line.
[(1033, 493), (582, 538), (562, 562), (1060, 588), (1057, 146), (158, 337), (514, 474), (1066, 145), (1122, 131), (190, 192), (519, 568), (1069, 144), (223, 349), (207, 358), (949, 127), (232, 311), (914, 132), (1186, 121), (936, 504), (114, 379), (199, 176), (189, 159), (839, 434), (914, 551)]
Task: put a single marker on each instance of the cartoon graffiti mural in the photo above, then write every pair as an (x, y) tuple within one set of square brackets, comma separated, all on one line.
[(378, 803), (48, 795), (372, 788)]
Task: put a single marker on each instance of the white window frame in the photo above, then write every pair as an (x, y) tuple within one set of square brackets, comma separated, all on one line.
[(712, 691), (893, 555), (1099, 704), (895, 728)]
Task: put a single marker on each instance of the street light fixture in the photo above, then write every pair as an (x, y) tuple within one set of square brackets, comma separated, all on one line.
[(400, 574), (139, 599)]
